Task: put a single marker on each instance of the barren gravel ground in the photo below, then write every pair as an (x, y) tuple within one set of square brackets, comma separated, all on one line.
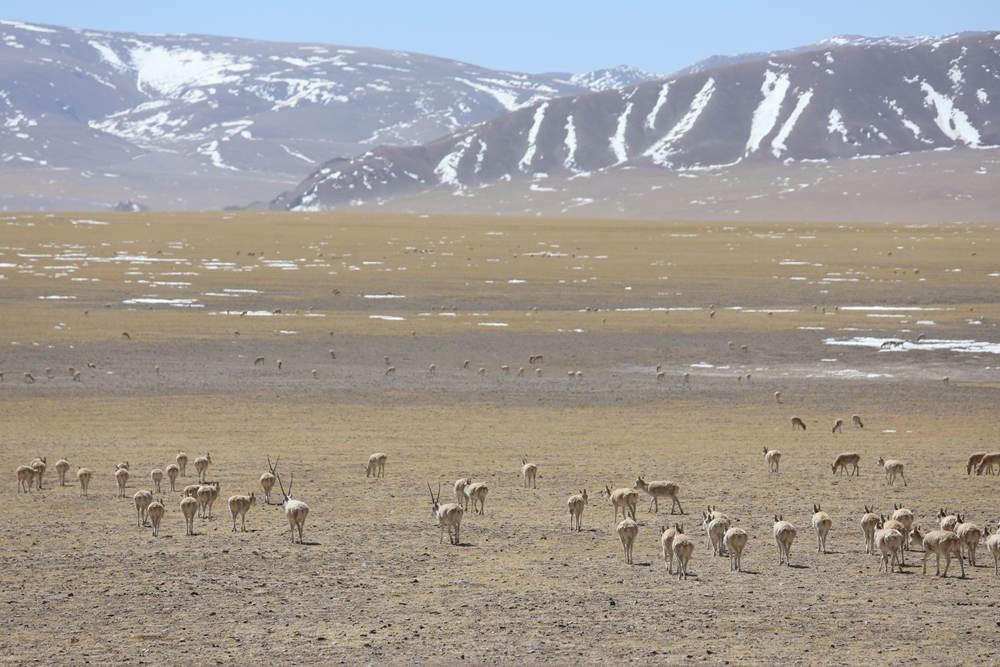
[(82, 583)]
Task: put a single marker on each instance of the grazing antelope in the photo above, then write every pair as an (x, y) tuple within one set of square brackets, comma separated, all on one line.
[(295, 510), (267, 479), (528, 472), (141, 499), (25, 479), (29, 378), (659, 489), (624, 499), (987, 462), (84, 475), (798, 423), (838, 426), (376, 465), (857, 421), (734, 541), (460, 496), (121, 476), (448, 516), (239, 506), (189, 507), (259, 361), (155, 513), (207, 495), (627, 530), (683, 548), (852, 459), (576, 503), (182, 462), (892, 468), (942, 543), (822, 524), (38, 465), (784, 535), (172, 471), (773, 458), (157, 476), (973, 462), (201, 465), (869, 523), (476, 497), (62, 467)]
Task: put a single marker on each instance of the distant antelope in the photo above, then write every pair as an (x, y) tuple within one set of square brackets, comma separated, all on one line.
[(25, 478), (389, 371), (201, 465), (449, 516), (857, 421), (189, 507), (258, 361), (62, 467), (38, 465), (29, 378), (846, 459), (659, 489), (141, 500), (535, 359), (84, 476), (460, 486), (838, 426), (973, 462), (155, 513), (822, 524), (528, 472), (989, 460), (268, 479), (576, 503), (476, 494), (892, 468), (993, 546), (376, 465), (777, 396), (773, 458), (172, 471), (121, 476), (623, 499), (182, 462), (156, 475), (239, 506), (207, 495), (627, 531), (798, 424), (296, 511), (784, 535)]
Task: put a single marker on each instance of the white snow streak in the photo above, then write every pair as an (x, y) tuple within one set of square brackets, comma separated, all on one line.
[(663, 149), (618, 146), (447, 168), (774, 88), (170, 71), (570, 142), (660, 101), (529, 153), (108, 56), (778, 145), (835, 123), (951, 120)]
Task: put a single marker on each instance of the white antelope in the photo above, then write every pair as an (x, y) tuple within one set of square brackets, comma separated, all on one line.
[(784, 535), (476, 497), (376, 465), (201, 465), (852, 459), (623, 499), (627, 530), (62, 467), (182, 462), (528, 472), (892, 468), (207, 495), (659, 489), (822, 524), (869, 523), (172, 471), (942, 543), (141, 499), (987, 463), (267, 480), (239, 506), (576, 503), (121, 476), (773, 458), (969, 535), (38, 465), (735, 540), (889, 542), (683, 548), (449, 516), (460, 496), (296, 511), (189, 507), (155, 513), (25, 478), (156, 475), (84, 475), (905, 517)]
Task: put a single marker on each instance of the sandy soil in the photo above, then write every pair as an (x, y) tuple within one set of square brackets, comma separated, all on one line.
[(82, 583)]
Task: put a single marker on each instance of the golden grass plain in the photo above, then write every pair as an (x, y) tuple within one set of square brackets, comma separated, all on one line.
[(612, 299)]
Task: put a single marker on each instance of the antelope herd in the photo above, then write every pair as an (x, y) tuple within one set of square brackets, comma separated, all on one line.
[(886, 537)]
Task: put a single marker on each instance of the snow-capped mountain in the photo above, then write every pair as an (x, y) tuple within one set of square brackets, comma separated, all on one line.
[(612, 78), (215, 110), (846, 100)]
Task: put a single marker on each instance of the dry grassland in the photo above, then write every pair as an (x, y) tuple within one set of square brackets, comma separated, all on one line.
[(82, 583)]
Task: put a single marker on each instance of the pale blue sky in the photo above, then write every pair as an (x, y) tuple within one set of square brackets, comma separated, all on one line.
[(541, 35)]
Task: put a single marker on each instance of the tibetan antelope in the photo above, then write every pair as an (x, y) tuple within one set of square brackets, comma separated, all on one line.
[(683, 548), (973, 462), (846, 459), (822, 524), (84, 475), (798, 424), (182, 462), (172, 471), (267, 479), (62, 467), (121, 476), (207, 494), (189, 507), (892, 468), (295, 510), (987, 463), (623, 499), (155, 513), (735, 540), (773, 458), (476, 497), (141, 499), (869, 523), (201, 465), (460, 496), (376, 465), (25, 478), (784, 535), (659, 489), (448, 516), (156, 475), (942, 543), (38, 465), (838, 426), (627, 531), (239, 506), (528, 472), (576, 503)]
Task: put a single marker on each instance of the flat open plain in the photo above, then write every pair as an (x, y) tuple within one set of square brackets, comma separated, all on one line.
[(202, 296)]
